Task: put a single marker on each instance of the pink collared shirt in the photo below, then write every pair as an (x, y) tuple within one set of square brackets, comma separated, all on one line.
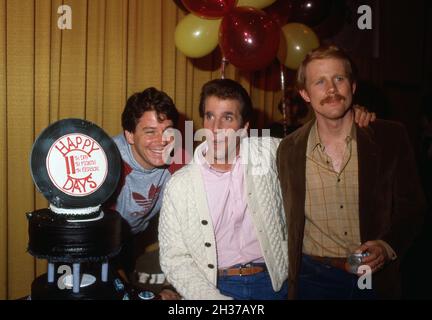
[(236, 240)]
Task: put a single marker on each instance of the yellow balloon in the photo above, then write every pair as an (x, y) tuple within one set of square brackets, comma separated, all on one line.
[(197, 37), (259, 4), (297, 40)]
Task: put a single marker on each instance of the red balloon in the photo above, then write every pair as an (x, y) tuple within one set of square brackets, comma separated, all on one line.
[(249, 38), (209, 8)]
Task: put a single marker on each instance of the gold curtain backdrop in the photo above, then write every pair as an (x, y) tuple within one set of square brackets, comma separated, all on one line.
[(115, 48)]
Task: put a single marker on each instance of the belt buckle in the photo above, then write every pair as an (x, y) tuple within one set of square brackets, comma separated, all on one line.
[(244, 266), (240, 270)]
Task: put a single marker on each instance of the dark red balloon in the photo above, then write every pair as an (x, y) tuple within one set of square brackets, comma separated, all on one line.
[(281, 11), (209, 8), (249, 38), (311, 12)]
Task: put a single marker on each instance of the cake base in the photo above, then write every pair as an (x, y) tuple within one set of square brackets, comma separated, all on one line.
[(57, 239), (110, 290)]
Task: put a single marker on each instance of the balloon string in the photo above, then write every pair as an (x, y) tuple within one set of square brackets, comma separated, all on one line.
[(282, 78), (223, 66)]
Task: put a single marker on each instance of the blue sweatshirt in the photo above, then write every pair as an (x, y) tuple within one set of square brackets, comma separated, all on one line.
[(139, 194)]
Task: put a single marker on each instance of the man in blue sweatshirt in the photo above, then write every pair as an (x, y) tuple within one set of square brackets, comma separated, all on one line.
[(147, 116)]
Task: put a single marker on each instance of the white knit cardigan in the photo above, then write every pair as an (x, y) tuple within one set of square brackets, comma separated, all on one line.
[(186, 235)]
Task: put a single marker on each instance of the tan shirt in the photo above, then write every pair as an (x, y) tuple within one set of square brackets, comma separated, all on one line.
[(332, 226)]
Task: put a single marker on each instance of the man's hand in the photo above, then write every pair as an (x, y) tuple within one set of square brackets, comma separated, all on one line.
[(378, 256), (362, 116), (168, 294)]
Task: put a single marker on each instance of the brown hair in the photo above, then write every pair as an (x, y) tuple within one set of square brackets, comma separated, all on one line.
[(227, 89), (150, 99), (326, 52)]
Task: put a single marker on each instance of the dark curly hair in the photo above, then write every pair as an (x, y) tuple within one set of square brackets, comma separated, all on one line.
[(150, 99), (227, 89)]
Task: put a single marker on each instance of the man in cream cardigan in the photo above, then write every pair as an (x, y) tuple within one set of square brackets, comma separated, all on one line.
[(222, 228)]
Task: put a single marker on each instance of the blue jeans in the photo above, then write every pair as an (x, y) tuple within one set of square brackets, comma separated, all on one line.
[(252, 287), (319, 281)]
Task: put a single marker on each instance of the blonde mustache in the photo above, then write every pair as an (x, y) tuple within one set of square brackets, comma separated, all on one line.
[(333, 98)]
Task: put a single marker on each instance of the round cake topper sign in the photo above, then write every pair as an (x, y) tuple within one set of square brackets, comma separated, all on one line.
[(77, 164)]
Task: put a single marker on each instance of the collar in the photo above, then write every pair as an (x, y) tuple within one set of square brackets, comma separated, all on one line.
[(314, 141), (199, 158)]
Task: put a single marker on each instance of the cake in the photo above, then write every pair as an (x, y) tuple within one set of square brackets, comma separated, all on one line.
[(76, 166)]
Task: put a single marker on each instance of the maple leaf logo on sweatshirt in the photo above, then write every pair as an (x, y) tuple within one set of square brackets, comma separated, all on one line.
[(146, 203)]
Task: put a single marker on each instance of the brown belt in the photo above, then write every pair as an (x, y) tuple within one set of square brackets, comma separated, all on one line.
[(339, 263), (243, 270)]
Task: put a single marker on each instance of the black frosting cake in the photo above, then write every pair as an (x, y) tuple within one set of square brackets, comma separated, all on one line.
[(54, 237), (76, 165)]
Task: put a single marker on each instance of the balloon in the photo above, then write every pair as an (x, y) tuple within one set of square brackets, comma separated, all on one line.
[(248, 38), (259, 4), (196, 37), (298, 40), (281, 11), (311, 12), (209, 8)]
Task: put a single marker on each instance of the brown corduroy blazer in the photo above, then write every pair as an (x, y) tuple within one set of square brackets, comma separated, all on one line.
[(391, 201)]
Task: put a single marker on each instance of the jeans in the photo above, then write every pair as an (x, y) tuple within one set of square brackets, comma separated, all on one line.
[(318, 281), (252, 287)]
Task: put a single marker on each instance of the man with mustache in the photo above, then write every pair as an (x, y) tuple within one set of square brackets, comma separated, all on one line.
[(345, 190)]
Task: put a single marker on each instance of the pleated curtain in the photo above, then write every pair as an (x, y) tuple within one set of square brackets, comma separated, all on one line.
[(115, 48)]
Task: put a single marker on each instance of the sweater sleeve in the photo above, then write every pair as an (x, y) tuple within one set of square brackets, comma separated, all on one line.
[(177, 262)]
